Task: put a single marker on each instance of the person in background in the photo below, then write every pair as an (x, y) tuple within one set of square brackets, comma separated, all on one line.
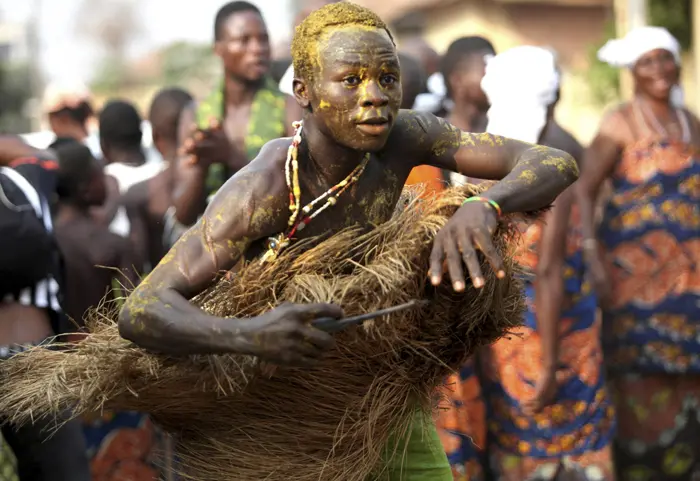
[(154, 227), (643, 260), (68, 106), (30, 304), (120, 141), (550, 416), (413, 79), (239, 117), (418, 48), (93, 256), (412, 82), (462, 425), (463, 67), (462, 70), (426, 100)]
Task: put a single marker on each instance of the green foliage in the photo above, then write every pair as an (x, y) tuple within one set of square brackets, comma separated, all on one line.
[(111, 76), (184, 61), (674, 15), (15, 92), (603, 80)]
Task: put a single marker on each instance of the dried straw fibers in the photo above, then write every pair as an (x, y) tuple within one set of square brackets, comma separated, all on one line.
[(238, 420)]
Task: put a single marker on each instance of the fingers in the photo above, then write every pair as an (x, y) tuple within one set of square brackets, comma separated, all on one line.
[(315, 311), (485, 244), (454, 265), (214, 123), (436, 262), (470, 259), (188, 145), (314, 340)]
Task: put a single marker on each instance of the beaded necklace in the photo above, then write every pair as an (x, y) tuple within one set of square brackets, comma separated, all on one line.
[(296, 223)]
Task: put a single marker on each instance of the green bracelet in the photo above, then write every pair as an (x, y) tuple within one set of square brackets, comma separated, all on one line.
[(492, 203)]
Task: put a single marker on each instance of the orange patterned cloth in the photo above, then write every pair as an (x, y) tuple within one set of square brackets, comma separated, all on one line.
[(573, 434), (428, 175), (461, 423), (651, 235)]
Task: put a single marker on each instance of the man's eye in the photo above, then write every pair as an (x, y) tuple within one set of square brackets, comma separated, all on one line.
[(352, 81), (389, 79)]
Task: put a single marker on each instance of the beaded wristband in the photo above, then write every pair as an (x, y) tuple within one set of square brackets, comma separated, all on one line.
[(492, 203)]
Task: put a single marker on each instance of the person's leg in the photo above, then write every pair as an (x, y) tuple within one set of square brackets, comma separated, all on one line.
[(422, 457), (46, 454)]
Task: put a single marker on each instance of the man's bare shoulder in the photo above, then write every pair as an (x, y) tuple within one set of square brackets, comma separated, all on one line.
[(412, 131), (256, 196)]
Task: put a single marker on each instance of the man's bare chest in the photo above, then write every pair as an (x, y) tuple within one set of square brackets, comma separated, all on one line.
[(368, 202)]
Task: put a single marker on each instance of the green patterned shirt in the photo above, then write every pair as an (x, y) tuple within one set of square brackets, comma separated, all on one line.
[(266, 122)]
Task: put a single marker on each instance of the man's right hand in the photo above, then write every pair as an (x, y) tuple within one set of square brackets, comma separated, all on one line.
[(206, 146), (284, 335)]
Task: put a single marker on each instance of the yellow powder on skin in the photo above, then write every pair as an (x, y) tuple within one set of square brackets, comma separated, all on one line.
[(308, 33)]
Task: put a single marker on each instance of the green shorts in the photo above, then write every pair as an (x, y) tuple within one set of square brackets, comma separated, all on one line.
[(422, 457)]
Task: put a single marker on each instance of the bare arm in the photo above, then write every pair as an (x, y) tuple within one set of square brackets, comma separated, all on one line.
[(159, 308), (158, 315), (129, 267), (13, 147), (531, 176), (549, 284), (598, 162), (136, 205), (104, 215)]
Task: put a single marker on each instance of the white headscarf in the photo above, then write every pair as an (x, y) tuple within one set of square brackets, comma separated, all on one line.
[(626, 51), (520, 84)]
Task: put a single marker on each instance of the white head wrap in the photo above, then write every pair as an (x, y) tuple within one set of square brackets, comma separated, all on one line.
[(626, 51), (434, 99), (520, 84)]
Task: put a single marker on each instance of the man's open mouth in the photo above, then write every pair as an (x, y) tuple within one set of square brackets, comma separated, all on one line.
[(373, 125)]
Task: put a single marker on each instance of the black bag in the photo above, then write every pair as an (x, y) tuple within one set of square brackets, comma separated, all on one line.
[(27, 246)]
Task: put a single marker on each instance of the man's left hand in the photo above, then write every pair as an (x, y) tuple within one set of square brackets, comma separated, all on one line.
[(469, 229)]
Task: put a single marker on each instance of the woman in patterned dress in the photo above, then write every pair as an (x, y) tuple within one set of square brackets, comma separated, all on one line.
[(549, 414), (644, 261)]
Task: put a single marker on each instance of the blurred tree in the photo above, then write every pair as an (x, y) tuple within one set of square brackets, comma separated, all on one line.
[(603, 80), (15, 93), (676, 16), (112, 26), (183, 62)]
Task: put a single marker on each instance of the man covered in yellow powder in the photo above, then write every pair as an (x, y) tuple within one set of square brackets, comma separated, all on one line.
[(346, 165)]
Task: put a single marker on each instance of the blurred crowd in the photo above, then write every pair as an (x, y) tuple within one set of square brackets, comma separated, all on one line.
[(601, 381)]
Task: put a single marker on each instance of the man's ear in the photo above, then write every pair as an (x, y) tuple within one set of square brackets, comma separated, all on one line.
[(218, 48), (301, 93)]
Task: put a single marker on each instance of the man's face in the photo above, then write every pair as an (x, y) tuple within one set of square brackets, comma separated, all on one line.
[(244, 47), (355, 94)]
